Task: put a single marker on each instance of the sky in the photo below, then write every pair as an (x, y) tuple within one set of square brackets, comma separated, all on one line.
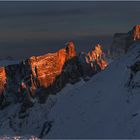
[(35, 28)]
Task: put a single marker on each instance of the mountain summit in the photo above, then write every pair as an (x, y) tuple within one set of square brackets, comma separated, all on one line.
[(39, 76), (123, 41), (136, 32), (49, 96)]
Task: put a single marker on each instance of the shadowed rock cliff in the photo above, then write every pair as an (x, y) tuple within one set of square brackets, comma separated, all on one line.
[(122, 41), (37, 77)]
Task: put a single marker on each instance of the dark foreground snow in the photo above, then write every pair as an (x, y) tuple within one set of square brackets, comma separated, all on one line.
[(104, 107)]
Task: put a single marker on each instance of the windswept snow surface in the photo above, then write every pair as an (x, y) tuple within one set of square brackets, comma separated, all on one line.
[(103, 107)]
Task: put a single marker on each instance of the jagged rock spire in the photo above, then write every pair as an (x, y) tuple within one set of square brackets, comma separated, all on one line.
[(136, 32), (49, 73), (123, 41)]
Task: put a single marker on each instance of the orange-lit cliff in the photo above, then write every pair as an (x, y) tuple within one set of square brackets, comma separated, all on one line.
[(46, 68), (136, 32), (97, 54), (43, 75)]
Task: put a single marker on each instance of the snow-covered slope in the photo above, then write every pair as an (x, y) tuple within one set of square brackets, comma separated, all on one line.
[(104, 107), (107, 106)]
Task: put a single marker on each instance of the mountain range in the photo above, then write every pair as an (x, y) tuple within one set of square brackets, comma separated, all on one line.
[(74, 95)]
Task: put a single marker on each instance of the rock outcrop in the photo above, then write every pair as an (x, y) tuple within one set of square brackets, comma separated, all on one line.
[(93, 62), (37, 77), (2, 79), (122, 41), (136, 32)]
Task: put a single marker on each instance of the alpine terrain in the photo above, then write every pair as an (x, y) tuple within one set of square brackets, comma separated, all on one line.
[(67, 94)]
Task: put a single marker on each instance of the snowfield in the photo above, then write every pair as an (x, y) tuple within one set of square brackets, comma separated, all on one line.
[(103, 107)]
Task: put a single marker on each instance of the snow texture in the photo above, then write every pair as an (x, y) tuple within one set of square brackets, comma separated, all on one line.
[(103, 107)]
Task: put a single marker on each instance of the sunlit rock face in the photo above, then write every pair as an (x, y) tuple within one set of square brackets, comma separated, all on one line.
[(122, 41), (97, 55), (2, 79), (39, 76), (46, 68), (136, 32), (93, 61)]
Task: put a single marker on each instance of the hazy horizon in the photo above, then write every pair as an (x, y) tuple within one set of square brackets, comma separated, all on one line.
[(34, 28)]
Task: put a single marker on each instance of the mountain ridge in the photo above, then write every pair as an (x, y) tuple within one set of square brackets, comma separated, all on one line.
[(123, 41), (106, 106), (37, 77)]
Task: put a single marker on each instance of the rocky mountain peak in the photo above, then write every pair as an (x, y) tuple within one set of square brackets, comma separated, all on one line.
[(123, 41), (70, 50), (97, 55), (2, 79), (39, 76), (136, 32)]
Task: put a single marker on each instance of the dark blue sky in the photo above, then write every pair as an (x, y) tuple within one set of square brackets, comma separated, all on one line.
[(37, 27)]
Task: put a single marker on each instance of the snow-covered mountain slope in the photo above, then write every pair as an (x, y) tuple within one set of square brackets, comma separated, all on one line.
[(104, 107), (39, 76), (107, 106), (33, 122)]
